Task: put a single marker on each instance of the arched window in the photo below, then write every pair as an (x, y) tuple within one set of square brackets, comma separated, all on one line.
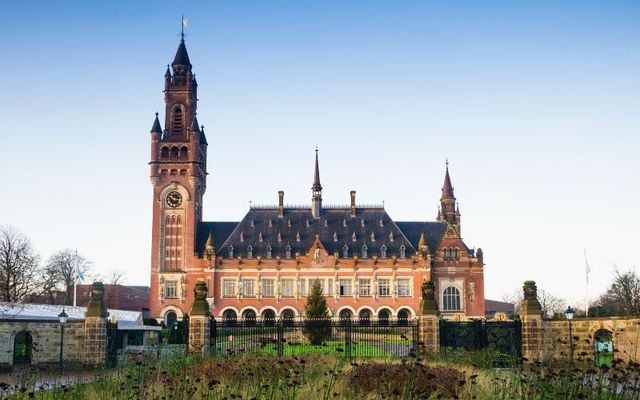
[(287, 317), (268, 251), (364, 251), (22, 348), (403, 317), (403, 251), (164, 153), (456, 254), (230, 248), (249, 252), (365, 317), (451, 299), (170, 319), (175, 153), (383, 317), (184, 153), (229, 318), (287, 251), (345, 251), (178, 121), (269, 317), (383, 251), (249, 317), (345, 314)]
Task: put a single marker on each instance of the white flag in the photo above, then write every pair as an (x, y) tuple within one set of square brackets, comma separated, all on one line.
[(587, 268)]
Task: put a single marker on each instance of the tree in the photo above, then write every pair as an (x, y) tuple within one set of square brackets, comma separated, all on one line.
[(551, 305), (623, 296), (112, 293), (61, 268), (19, 266), (317, 318)]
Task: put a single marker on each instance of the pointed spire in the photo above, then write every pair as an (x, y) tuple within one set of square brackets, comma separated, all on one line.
[(316, 176), (447, 188), (182, 57), (156, 128), (194, 125), (167, 74), (422, 243), (209, 244), (203, 137)]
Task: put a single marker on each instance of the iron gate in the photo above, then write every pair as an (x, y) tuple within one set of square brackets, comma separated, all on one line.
[(501, 339), (291, 337), (112, 343)]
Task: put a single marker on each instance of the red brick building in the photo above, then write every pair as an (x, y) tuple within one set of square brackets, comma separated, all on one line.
[(118, 297), (368, 265)]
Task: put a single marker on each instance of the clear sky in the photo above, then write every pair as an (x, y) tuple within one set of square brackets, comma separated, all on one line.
[(536, 104)]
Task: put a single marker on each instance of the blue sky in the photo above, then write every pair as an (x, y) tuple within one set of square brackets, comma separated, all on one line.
[(534, 103)]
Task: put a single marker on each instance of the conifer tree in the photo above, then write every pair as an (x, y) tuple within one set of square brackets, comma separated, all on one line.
[(317, 319)]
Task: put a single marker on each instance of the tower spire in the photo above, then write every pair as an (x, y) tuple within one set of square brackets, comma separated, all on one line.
[(316, 190), (448, 211)]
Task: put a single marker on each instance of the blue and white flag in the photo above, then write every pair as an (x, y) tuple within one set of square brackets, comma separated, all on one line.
[(587, 268), (79, 272)]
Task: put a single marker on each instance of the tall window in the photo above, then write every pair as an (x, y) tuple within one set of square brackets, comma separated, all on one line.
[(228, 288), (364, 287), (329, 291), (287, 252), (403, 251), (230, 248), (364, 251), (345, 251), (345, 287), (383, 251), (268, 288), (173, 242), (404, 287), (451, 299), (384, 287), (248, 287), (268, 251), (171, 289), (302, 287), (249, 252), (286, 287), (178, 121)]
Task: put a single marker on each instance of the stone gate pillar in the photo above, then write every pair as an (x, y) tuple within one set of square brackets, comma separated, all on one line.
[(199, 320), (429, 320), (531, 317), (95, 327)]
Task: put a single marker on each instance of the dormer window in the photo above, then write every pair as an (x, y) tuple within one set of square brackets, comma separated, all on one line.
[(335, 236), (364, 251), (241, 237), (279, 237), (298, 237), (249, 252), (260, 237), (268, 252), (287, 252), (230, 249), (308, 223), (253, 224), (345, 251), (289, 223), (270, 223), (373, 237), (344, 223), (326, 223), (383, 251), (362, 222), (391, 237), (403, 252), (353, 237), (381, 223)]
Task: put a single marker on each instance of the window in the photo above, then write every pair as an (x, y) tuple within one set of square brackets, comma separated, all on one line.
[(171, 289), (177, 121), (364, 287), (249, 252), (451, 299), (268, 288), (302, 287), (403, 251), (248, 287), (345, 251), (230, 248), (228, 288), (287, 287), (287, 252), (364, 251), (383, 251), (329, 291), (404, 287), (345, 287), (268, 251), (384, 287)]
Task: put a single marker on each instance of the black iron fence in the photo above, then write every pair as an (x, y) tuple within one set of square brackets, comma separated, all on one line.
[(296, 337), (500, 341)]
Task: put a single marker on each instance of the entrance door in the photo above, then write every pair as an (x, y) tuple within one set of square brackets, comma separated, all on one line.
[(22, 347), (603, 340)]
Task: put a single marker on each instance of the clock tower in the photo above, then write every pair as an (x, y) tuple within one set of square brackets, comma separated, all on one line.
[(178, 175)]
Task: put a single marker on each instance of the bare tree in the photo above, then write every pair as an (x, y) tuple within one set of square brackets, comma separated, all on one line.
[(551, 305), (19, 266), (114, 279), (623, 296), (61, 268)]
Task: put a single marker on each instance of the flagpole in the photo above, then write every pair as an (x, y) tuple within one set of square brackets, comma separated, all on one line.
[(75, 280), (586, 286)]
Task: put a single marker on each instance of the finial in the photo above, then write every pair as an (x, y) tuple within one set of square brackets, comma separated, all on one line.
[(446, 163), (183, 24), (157, 114)]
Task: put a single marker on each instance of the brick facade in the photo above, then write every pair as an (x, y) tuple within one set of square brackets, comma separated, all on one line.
[(369, 265)]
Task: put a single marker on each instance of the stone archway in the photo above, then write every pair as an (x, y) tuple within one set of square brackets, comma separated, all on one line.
[(603, 346), (22, 348)]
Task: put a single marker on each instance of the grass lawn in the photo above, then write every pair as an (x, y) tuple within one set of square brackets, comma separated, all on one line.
[(335, 348)]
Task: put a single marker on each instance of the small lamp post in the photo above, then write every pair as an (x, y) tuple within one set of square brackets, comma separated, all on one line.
[(569, 314), (63, 319)]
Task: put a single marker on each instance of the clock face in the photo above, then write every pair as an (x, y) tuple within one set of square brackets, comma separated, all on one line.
[(174, 199)]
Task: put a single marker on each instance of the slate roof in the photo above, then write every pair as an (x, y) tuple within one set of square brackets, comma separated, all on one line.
[(182, 58), (260, 228)]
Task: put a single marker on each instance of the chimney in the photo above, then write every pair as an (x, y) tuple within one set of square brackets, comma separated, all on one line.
[(280, 204), (353, 204)]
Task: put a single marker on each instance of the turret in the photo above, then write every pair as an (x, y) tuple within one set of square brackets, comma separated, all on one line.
[(316, 191)]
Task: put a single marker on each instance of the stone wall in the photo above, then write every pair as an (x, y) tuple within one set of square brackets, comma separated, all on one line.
[(555, 338), (45, 339)]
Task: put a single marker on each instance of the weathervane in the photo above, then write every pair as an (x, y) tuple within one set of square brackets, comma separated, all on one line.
[(183, 24)]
